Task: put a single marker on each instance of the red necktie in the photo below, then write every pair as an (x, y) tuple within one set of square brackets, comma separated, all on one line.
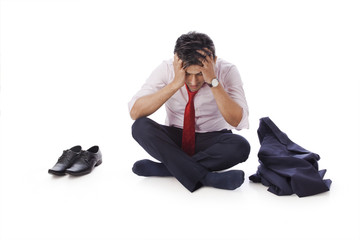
[(188, 137)]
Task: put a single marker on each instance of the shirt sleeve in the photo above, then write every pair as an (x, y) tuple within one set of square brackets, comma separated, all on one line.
[(156, 81), (233, 85)]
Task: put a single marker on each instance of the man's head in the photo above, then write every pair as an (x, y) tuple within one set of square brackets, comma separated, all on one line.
[(187, 45), (192, 49)]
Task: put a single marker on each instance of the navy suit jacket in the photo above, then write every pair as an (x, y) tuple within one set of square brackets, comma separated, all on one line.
[(285, 167)]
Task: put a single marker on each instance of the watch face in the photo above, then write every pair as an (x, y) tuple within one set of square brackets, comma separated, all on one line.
[(214, 82)]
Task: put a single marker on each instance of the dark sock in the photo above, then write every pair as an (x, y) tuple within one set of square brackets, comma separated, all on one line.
[(229, 180), (149, 168)]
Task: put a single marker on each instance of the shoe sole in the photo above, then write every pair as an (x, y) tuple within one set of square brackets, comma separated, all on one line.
[(84, 172)]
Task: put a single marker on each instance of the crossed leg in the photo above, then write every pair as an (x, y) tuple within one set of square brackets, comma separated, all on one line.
[(215, 151)]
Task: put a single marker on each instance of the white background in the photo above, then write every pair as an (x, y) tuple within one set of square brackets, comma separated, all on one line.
[(69, 68)]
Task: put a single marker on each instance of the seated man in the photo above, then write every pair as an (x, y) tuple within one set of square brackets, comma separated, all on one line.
[(204, 100)]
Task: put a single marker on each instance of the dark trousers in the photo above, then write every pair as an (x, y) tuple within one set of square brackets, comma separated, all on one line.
[(214, 151)]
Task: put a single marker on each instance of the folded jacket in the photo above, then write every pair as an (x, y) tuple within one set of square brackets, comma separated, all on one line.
[(285, 167)]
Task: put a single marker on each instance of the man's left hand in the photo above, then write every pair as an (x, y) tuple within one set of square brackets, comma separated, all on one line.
[(208, 68)]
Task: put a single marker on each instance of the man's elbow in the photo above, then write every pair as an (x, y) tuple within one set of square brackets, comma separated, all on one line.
[(134, 114), (236, 121)]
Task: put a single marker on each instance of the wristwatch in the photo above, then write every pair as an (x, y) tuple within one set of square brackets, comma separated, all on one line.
[(214, 83)]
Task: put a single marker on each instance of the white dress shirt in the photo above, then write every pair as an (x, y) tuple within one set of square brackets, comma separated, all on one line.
[(207, 115)]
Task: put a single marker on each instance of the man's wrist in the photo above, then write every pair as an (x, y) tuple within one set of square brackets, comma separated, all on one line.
[(175, 84), (208, 81), (213, 83)]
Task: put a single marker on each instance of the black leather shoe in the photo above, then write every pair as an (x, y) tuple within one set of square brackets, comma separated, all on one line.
[(86, 162), (65, 161)]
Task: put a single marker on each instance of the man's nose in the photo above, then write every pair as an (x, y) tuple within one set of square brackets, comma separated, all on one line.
[(193, 79)]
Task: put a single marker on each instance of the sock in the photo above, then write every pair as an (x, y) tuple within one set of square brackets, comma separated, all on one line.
[(229, 180), (149, 168)]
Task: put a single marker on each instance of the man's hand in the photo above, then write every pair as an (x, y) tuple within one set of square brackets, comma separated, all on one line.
[(179, 79), (208, 68), (229, 109)]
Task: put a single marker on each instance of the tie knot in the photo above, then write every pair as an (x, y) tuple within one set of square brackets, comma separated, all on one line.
[(190, 93)]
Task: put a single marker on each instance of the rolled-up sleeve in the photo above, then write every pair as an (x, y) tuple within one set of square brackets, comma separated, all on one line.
[(233, 85), (156, 81)]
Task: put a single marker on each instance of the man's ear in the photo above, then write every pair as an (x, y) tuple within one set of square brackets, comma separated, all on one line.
[(215, 59)]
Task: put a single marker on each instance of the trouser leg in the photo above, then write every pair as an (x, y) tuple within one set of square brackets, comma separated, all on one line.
[(162, 143), (221, 150)]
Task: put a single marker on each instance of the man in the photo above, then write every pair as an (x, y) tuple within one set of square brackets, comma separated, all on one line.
[(204, 100)]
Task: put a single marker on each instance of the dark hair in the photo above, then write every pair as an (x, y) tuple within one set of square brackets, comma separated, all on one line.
[(187, 45)]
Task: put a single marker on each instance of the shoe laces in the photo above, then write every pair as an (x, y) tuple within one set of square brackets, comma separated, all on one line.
[(65, 157), (84, 156)]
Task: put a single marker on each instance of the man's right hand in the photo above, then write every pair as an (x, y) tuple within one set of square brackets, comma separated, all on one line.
[(148, 104), (179, 79)]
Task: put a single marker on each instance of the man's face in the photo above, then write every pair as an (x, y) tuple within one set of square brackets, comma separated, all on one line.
[(194, 78)]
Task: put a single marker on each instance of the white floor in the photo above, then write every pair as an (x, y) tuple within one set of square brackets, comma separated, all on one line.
[(68, 69)]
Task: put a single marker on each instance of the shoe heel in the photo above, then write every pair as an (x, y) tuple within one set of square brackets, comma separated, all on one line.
[(98, 163)]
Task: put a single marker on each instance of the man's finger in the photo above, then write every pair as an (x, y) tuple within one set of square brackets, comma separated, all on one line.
[(202, 53), (176, 57), (177, 60), (205, 52)]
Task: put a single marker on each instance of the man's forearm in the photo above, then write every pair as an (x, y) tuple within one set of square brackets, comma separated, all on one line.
[(229, 109), (149, 104)]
